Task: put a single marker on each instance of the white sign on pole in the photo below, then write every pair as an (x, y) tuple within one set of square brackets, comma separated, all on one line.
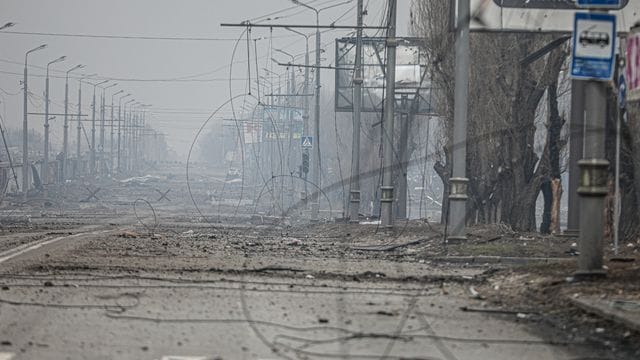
[(307, 142), (594, 38)]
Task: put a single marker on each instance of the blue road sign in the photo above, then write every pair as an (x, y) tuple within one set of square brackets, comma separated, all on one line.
[(594, 38), (602, 4), (306, 142)]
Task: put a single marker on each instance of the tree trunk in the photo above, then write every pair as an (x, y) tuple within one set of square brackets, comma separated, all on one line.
[(547, 194), (556, 190)]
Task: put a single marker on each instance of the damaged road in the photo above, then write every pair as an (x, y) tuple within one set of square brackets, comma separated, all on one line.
[(154, 279)]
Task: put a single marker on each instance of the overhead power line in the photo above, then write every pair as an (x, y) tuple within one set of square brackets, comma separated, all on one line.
[(128, 79), (124, 37)]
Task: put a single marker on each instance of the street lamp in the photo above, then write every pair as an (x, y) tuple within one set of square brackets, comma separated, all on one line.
[(305, 91), (79, 134), (92, 154), (112, 132), (315, 169), (7, 25), (45, 164), (102, 125), (124, 136), (25, 128), (120, 120), (286, 53), (65, 145)]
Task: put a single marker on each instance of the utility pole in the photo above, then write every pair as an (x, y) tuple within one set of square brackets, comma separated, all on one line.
[(92, 158), (576, 145), (305, 115), (386, 199), (354, 193), (120, 124), (79, 134), (25, 128), (458, 182), (403, 154), (124, 156), (102, 162), (315, 161), (65, 146), (111, 153), (593, 186), (45, 163), (593, 166)]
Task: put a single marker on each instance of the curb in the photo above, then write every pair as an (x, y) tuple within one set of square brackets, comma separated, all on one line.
[(500, 260), (606, 310)]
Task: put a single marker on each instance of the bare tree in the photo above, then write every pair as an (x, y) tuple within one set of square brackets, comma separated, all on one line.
[(504, 170)]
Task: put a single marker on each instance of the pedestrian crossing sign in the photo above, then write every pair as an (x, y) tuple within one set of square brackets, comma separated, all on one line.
[(307, 142)]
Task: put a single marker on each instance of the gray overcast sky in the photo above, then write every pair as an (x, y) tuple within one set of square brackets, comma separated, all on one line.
[(152, 59)]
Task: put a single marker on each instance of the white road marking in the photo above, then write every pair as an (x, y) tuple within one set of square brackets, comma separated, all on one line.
[(6, 356), (177, 357), (17, 251)]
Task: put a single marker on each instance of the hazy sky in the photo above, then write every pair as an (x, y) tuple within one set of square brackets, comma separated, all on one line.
[(179, 106)]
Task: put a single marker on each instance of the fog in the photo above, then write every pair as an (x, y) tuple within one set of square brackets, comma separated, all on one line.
[(183, 80)]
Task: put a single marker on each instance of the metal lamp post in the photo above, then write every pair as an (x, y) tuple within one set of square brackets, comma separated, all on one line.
[(315, 168), (45, 163), (120, 120), (125, 137), (111, 137), (65, 142), (92, 154), (25, 127), (79, 128), (305, 91), (102, 128)]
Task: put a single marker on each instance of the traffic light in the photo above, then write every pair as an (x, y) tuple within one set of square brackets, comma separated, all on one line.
[(305, 162)]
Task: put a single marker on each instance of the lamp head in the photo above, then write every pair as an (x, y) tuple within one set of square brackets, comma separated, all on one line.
[(7, 25)]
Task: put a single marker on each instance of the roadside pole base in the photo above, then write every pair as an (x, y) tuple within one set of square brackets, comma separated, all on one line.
[(454, 240), (573, 233), (589, 275)]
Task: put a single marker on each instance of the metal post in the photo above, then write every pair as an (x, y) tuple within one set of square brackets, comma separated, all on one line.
[(120, 124), (458, 182), (92, 154), (79, 135), (305, 91), (45, 161), (593, 181), (111, 139), (125, 123), (386, 200), (134, 140), (101, 141), (575, 154), (354, 193), (401, 196), (65, 133), (305, 117), (65, 146), (25, 139), (119, 132), (315, 160), (618, 196), (25, 128)]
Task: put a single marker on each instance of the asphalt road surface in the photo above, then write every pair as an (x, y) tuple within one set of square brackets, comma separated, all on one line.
[(105, 292)]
